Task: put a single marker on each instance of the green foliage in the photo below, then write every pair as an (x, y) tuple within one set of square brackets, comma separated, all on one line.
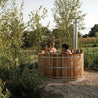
[(4, 94), (30, 38), (94, 31), (27, 83), (88, 59), (64, 13), (91, 58), (3, 3), (36, 26), (13, 60), (96, 34), (7, 74), (4, 73), (85, 35), (11, 33)]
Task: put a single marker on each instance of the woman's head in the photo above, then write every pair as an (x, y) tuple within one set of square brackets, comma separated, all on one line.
[(52, 44)]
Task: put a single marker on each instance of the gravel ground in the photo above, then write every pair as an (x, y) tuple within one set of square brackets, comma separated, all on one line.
[(87, 88)]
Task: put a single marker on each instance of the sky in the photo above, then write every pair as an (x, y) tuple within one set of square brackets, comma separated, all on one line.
[(90, 7)]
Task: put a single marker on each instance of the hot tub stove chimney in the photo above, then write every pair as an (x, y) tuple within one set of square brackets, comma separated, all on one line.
[(75, 39)]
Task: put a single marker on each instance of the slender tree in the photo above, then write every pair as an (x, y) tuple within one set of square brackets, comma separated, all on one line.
[(64, 12)]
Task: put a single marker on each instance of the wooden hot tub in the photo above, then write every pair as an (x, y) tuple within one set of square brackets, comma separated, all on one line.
[(69, 67)]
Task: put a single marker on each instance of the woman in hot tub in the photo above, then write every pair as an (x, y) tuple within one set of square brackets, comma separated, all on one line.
[(52, 48)]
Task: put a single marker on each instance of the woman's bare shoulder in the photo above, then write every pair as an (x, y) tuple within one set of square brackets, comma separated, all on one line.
[(69, 51)]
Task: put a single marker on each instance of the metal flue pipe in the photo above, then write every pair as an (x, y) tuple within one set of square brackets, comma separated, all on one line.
[(75, 39)]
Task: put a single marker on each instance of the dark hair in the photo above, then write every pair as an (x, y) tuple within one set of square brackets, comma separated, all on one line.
[(65, 46), (43, 46)]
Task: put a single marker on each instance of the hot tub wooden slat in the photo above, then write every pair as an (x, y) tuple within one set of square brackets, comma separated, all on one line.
[(47, 60), (58, 64), (82, 65), (51, 65), (64, 64), (54, 65), (75, 69), (69, 72), (71, 63)]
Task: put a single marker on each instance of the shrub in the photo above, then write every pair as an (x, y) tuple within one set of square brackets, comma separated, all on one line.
[(95, 66), (3, 93), (27, 83), (4, 73), (7, 71), (91, 58), (88, 60), (94, 45)]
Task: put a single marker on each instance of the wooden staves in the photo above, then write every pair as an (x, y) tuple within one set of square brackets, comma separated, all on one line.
[(69, 67)]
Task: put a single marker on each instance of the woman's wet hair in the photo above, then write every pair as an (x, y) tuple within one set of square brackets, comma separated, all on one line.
[(65, 46)]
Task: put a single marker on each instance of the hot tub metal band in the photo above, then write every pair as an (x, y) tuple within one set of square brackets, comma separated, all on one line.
[(61, 57), (66, 77), (60, 67)]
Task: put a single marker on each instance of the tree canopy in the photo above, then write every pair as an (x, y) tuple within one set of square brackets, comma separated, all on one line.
[(94, 31), (64, 12)]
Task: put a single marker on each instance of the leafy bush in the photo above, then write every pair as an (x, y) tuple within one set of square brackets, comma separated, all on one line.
[(7, 71), (27, 82), (94, 45), (95, 65), (4, 73), (3, 93), (91, 58), (88, 60)]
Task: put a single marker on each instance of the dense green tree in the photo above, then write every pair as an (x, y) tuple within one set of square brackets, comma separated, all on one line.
[(11, 32), (96, 34), (30, 37), (85, 35), (64, 12), (94, 31)]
